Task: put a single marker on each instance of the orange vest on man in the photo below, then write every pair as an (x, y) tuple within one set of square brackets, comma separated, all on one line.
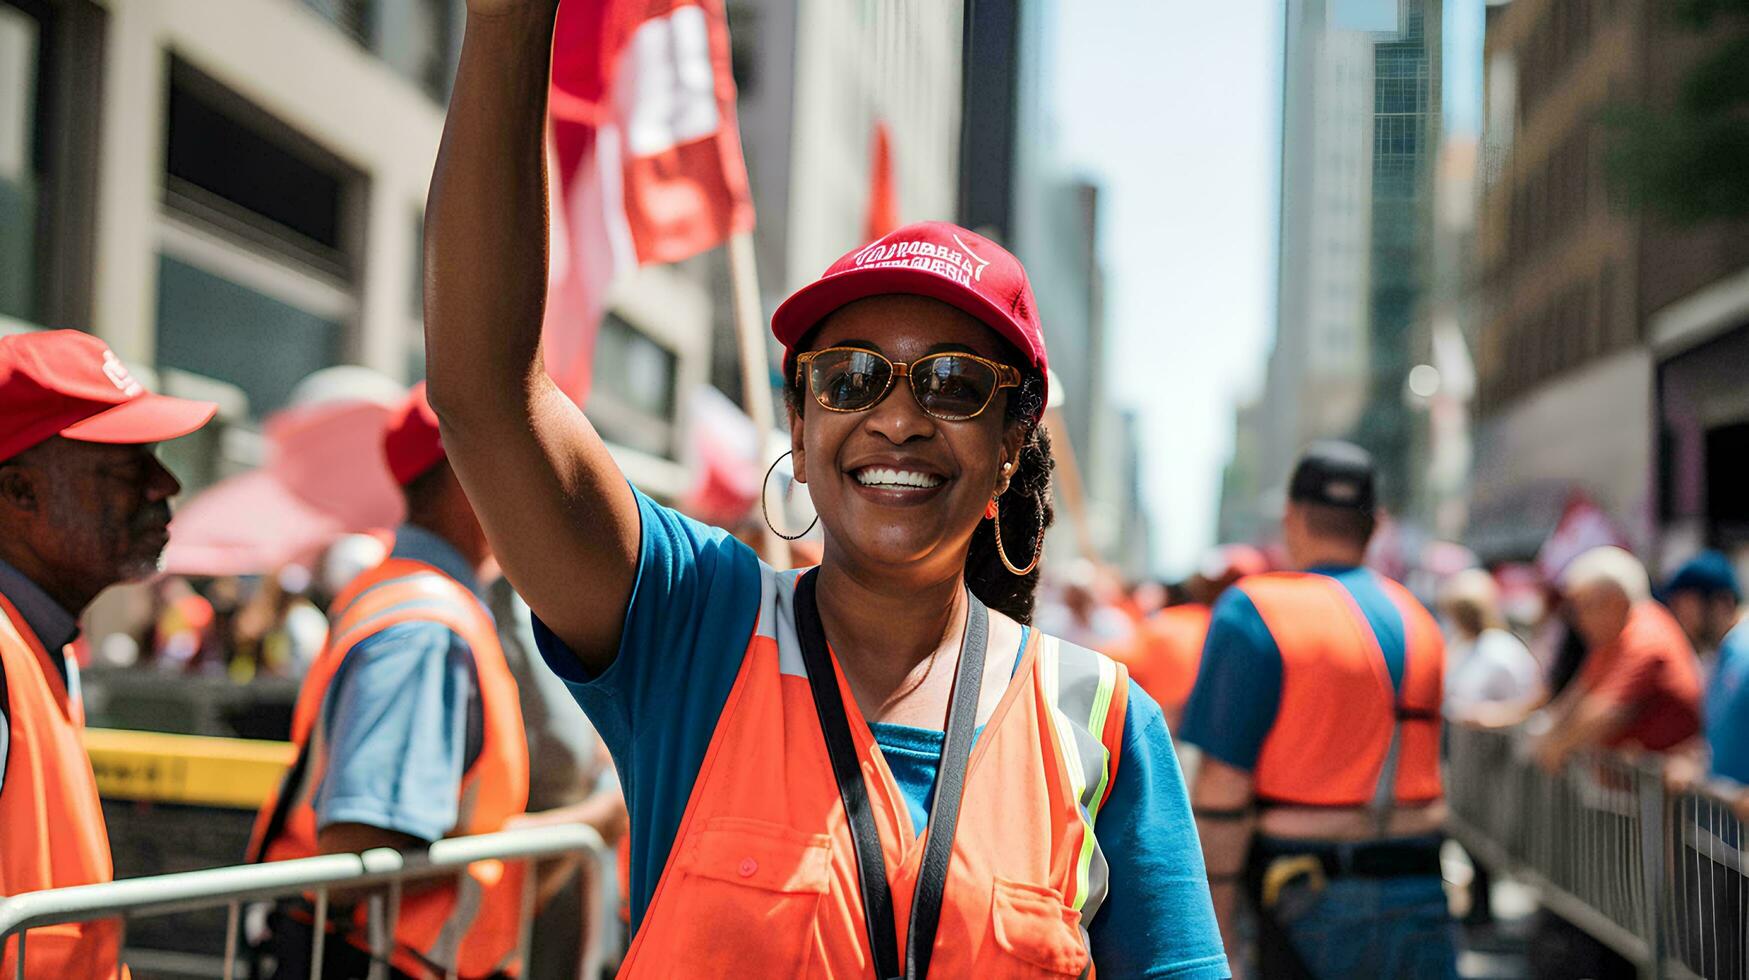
[(52, 833), (473, 925), (1165, 652), (752, 889), (1341, 714)]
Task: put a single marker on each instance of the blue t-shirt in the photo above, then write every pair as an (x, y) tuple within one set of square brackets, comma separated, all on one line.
[(398, 717), (1238, 687), (1727, 708), (691, 615)]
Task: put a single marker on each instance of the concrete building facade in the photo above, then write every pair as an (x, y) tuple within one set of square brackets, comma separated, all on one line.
[(231, 195), (1613, 337), (1360, 97)]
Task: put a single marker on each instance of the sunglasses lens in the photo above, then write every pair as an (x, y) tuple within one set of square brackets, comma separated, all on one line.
[(847, 380), (952, 387)]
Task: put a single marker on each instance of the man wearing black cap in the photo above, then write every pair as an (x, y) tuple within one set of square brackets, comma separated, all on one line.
[(1317, 711)]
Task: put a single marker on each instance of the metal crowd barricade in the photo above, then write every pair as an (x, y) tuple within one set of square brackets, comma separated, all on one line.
[(1660, 877), (382, 872)]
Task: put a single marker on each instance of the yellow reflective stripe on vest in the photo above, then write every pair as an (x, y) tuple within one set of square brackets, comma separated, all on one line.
[(1081, 683)]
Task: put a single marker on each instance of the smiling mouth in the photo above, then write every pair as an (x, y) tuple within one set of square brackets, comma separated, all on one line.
[(887, 478)]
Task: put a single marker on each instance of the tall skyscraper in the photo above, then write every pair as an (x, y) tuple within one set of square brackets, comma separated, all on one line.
[(1359, 114), (1405, 131)]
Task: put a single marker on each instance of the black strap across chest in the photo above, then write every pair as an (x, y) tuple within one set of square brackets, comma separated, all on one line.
[(871, 869)]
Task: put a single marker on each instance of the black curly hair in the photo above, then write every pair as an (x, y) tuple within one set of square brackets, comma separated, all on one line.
[(1026, 509)]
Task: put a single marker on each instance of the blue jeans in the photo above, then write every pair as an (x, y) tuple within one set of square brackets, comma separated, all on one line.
[(1376, 928)]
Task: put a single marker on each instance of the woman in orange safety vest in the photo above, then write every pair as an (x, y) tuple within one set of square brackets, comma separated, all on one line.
[(874, 766)]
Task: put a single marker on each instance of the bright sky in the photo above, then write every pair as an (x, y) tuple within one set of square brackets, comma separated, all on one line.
[(1173, 106)]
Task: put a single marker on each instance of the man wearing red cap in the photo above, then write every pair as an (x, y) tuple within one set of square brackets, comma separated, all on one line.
[(409, 730), (84, 504)]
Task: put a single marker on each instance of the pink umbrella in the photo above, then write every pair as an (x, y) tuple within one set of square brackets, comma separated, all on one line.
[(325, 477)]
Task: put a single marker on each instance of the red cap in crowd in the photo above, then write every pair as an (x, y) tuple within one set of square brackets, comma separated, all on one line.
[(931, 258), (70, 384), (412, 444)]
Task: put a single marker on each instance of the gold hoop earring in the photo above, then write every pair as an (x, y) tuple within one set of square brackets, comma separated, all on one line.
[(1038, 548), (765, 511)]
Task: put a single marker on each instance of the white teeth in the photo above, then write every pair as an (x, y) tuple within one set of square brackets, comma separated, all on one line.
[(881, 476)]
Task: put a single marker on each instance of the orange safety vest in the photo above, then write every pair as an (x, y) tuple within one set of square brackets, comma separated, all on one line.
[(474, 924), (52, 833), (762, 878), (1339, 716), (1166, 654)]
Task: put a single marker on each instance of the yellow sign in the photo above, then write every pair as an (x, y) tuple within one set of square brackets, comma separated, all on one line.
[(189, 769)]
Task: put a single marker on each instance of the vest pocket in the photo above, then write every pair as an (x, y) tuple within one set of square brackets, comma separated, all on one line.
[(1032, 925), (750, 897)]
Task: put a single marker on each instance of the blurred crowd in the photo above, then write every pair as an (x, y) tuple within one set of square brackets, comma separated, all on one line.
[(1593, 658), (1581, 650), (236, 626)]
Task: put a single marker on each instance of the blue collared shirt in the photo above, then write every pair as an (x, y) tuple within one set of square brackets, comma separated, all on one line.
[(401, 717), (54, 627)]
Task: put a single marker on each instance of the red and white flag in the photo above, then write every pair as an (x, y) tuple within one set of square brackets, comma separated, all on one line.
[(644, 156)]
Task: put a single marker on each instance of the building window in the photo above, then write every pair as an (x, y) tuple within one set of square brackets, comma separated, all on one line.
[(222, 166), (419, 39), (217, 327), (20, 179), (633, 399), (256, 242), (416, 302), (744, 47), (353, 17), (49, 79)]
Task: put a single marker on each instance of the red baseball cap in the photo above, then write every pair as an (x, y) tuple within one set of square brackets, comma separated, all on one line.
[(412, 444), (936, 259), (70, 384)]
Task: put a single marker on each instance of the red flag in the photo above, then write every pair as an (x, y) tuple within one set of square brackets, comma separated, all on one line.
[(645, 155), (883, 197)]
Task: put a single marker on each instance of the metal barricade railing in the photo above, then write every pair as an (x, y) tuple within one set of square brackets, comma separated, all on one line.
[(1658, 876), (1705, 915), (379, 873)]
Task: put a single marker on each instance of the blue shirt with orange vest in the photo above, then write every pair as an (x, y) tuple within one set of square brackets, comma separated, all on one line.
[(403, 721), (658, 704), (1238, 690), (1285, 648)]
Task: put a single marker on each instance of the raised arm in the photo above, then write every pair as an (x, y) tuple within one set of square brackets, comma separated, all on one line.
[(559, 515)]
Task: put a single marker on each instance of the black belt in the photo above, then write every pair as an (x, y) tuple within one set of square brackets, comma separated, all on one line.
[(1385, 859)]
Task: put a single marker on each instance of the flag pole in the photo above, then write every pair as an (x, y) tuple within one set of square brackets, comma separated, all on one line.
[(755, 367)]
